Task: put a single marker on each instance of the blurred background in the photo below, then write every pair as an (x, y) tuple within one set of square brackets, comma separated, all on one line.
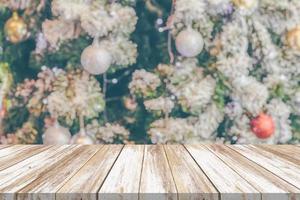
[(149, 71)]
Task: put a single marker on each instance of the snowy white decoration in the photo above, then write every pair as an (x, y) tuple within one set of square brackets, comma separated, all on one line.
[(193, 96), (159, 104), (208, 122), (280, 113), (70, 9), (245, 7), (252, 94), (107, 133), (171, 130), (143, 83), (73, 93), (113, 18)]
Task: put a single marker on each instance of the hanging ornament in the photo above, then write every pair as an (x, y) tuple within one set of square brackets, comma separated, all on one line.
[(293, 38), (56, 134), (96, 60), (15, 29), (245, 4), (82, 138), (189, 43), (263, 126)]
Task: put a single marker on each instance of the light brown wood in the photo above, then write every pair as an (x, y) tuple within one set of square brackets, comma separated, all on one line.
[(55, 176), (156, 179), (123, 180), (282, 168), (86, 183), (271, 186), (190, 181), (229, 183), (149, 172), (4, 146), (18, 176), (287, 152), (15, 155), (10, 150)]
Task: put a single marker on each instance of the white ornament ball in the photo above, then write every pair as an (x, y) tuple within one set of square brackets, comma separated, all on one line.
[(189, 43), (96, 60), (56, 134), (82, 139)]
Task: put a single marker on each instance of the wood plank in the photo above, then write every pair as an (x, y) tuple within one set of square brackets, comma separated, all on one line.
[(271, 186), (156, 179), (86, 183), (123, 180), (190, 181), (12, 149), (284, 169), (3, 146), (288, 152), (20, 154), (52, 179), (18, 176), (230, 184), (149, 172)]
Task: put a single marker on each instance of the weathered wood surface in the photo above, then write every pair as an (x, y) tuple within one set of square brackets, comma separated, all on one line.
[(204, 172), (156, 178), (123, 181)]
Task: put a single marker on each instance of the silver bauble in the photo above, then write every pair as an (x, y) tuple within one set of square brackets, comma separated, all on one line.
[(56, 134), (82, 138), (96, 60), (189, 43)]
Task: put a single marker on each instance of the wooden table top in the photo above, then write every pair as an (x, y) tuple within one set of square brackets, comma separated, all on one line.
[(150, 172)]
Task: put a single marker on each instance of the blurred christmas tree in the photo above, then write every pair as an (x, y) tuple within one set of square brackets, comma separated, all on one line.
[(147, 71)]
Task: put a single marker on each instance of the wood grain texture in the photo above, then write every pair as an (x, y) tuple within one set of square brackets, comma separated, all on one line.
[(124, 178), (86, 183), (190, 181), (282, 168), (9, 150), (271, 186), (15, 155), (168, 172), (156, 179), (4, 146), (50, 180), (229, 183), (287, 152), (16, 177)]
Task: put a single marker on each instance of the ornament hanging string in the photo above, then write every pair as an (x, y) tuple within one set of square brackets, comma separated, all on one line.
[(81, 125), (169, 25), (105, 81), (168, 28)]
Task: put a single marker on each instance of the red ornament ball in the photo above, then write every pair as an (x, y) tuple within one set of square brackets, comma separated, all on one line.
[(263, 126)]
